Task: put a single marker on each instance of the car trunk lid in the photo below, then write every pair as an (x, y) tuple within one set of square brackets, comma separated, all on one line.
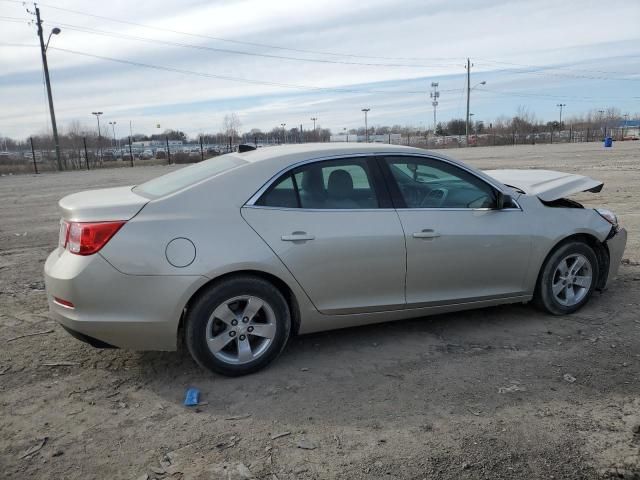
[(547, 185), (107, 204)]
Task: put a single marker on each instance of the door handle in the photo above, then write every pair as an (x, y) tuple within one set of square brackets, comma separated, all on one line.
[(297, 237), (427, 233)]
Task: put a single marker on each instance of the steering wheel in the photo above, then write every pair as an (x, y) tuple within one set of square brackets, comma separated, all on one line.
[(435, 198)]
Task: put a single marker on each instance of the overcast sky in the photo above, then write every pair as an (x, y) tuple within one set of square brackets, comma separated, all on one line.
[(334, 58)]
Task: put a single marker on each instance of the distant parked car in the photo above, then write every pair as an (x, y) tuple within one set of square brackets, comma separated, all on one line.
[(108, 156), (147, 154), (244, 250)]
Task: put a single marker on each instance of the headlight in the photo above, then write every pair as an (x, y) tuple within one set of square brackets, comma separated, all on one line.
[(608, 215)]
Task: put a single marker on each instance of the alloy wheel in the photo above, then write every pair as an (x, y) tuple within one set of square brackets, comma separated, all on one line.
[(241, 329), (572, 279)]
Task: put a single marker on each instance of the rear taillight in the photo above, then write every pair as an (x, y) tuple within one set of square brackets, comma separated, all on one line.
[(87, 238)]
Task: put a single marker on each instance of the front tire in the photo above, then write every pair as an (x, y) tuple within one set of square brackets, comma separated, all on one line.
[(238, 326), (567, 279)]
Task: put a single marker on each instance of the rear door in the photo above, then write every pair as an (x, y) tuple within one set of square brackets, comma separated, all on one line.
[(460, 248), (332, 224)]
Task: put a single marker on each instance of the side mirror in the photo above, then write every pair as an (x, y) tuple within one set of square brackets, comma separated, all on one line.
[(503, 201)]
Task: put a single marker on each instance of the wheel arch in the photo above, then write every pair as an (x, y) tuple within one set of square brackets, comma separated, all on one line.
[(600, 249), (277, 282)]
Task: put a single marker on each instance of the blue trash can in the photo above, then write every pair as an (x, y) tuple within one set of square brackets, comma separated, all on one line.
[(608, 142)]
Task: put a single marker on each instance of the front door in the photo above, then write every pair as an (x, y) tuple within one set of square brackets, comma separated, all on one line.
[(334, 229), (459, 247)]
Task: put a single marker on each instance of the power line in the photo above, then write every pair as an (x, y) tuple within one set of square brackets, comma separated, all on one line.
[(555, 97), (233, 52), (9, 44), (234, 79), (278, 47), (239, 42), (316, 88), (262, 45), (13, 20), (562, 67), (543, 71)]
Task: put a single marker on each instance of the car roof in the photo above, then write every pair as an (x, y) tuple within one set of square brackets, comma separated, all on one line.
[(315, 150)]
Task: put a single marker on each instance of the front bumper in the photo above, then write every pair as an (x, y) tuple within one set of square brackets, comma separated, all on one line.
[(126, 311), (616, 245)]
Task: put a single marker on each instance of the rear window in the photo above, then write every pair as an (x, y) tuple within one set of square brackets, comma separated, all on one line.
[(174, 181)]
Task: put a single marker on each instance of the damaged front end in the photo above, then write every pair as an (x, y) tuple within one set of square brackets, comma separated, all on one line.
[(552, 189), (608, 252)]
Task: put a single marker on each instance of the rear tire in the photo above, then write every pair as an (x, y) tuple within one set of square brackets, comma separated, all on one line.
[(567, 278), (237, 326)]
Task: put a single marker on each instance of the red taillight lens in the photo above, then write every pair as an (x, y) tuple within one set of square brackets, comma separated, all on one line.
[(88, 238)]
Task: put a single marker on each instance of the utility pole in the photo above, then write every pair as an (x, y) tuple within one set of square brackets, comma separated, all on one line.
[(301, 135), (45, 66), (468, 98), (97, 114), (366, 125), (469, 88), (435, 94), (560, 105), (86, 153), (33, 154)]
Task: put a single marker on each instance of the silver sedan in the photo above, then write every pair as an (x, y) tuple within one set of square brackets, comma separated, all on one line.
[(234, 255)]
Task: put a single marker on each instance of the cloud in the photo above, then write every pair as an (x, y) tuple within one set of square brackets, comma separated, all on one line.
[(577, 35)]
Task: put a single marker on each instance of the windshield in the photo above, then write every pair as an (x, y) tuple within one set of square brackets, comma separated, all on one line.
[(174, 181)]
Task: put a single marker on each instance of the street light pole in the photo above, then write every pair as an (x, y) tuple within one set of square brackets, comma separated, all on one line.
[(43, 51), (366, 125), (284, 135), (113, 126), (560, 105), (434, 102), (97, 114), (314, 126)]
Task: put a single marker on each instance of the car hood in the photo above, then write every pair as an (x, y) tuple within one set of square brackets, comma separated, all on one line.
[(547, 185)]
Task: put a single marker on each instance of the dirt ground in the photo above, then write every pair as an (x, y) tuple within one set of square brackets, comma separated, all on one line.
[(485, 394)]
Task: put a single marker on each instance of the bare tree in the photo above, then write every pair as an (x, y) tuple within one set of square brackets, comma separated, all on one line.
[(231, 126)]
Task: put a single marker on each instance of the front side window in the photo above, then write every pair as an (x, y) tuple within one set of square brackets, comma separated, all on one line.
[(331, 184), (431, 183)]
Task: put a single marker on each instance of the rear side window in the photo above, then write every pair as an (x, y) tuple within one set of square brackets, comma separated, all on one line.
[(326, 185), (283, 194), (174, 181)]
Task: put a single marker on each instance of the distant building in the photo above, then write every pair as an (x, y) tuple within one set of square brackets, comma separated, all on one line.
[(156, 143), (348, 137), (627, 129)]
